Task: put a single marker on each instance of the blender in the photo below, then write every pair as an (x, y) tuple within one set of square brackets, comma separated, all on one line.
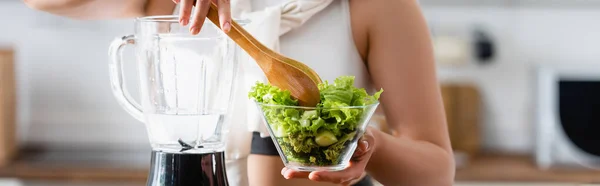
[(186, 85)]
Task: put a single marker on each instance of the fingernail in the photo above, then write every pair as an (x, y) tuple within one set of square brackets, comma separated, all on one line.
[(176, 1), (226, 27), (183, 21), (366, 144), (316, 178), (286, 175), (194, 30)]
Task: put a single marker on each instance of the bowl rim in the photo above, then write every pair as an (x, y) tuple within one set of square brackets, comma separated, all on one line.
[(316, 108)]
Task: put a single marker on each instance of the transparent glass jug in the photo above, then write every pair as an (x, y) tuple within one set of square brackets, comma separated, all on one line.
[(186, 83)]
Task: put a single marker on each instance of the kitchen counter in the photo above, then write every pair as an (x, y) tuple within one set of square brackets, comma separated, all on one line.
[(80, 166), (509, 168), (14, 182), (128, 169)]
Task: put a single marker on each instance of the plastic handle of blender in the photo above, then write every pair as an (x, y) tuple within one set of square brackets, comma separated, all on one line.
[(116, 77)]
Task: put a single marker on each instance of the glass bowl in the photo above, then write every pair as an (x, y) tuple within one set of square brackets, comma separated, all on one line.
[(315, 138)]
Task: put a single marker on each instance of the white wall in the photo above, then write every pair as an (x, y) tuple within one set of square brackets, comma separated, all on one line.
[(526, 37), (65, 98)]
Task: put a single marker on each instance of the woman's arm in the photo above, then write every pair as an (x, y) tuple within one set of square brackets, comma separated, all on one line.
[(400, 59), (102, 9)]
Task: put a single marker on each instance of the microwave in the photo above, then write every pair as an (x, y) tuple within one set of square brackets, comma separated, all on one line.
[(567, 117)]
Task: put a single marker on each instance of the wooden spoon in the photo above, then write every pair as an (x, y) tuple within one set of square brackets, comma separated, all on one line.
[(281, 71)]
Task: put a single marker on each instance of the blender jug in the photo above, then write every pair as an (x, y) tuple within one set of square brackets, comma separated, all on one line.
[(186, 84)]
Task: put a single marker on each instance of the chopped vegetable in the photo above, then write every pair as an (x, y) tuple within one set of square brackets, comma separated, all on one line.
[(318, 136), (325, 138)]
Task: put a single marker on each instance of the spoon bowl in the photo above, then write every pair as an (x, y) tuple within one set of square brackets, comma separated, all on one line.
[(281, 71)]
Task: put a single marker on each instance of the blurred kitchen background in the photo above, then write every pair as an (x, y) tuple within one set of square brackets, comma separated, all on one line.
[(500, 65)]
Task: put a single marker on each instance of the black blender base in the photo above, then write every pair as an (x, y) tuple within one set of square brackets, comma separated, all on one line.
[(174, 169)]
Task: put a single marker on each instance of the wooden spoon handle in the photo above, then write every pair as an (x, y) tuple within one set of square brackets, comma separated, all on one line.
[(286, 73), (244, 39), (259, 52)]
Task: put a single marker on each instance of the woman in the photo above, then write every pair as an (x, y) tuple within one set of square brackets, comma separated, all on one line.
[(384, 43)]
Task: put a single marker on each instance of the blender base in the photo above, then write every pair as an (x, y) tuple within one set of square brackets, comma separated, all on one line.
[(180, 169)]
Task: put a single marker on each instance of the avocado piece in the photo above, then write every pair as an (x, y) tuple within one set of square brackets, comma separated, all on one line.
[(325, 138)]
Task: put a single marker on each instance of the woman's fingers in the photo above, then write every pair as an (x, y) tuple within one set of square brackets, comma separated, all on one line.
[(224, 14), (356, 168), (338, 177), (289, 173), (363, 148), (202, 6), (185, 10), (199, 15)]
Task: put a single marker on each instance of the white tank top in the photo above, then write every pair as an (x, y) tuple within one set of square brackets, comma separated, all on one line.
[(325, 43)]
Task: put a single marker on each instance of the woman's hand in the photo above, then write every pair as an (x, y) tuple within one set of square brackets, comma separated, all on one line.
[(202, 6), (352, 174)]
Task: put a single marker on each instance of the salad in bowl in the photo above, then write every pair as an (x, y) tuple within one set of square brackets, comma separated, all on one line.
[(317, 138)]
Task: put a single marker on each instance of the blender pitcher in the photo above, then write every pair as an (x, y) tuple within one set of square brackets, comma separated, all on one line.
[(186, 84)]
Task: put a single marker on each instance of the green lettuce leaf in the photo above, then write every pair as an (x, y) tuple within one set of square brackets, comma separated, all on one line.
[(268, 94)]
